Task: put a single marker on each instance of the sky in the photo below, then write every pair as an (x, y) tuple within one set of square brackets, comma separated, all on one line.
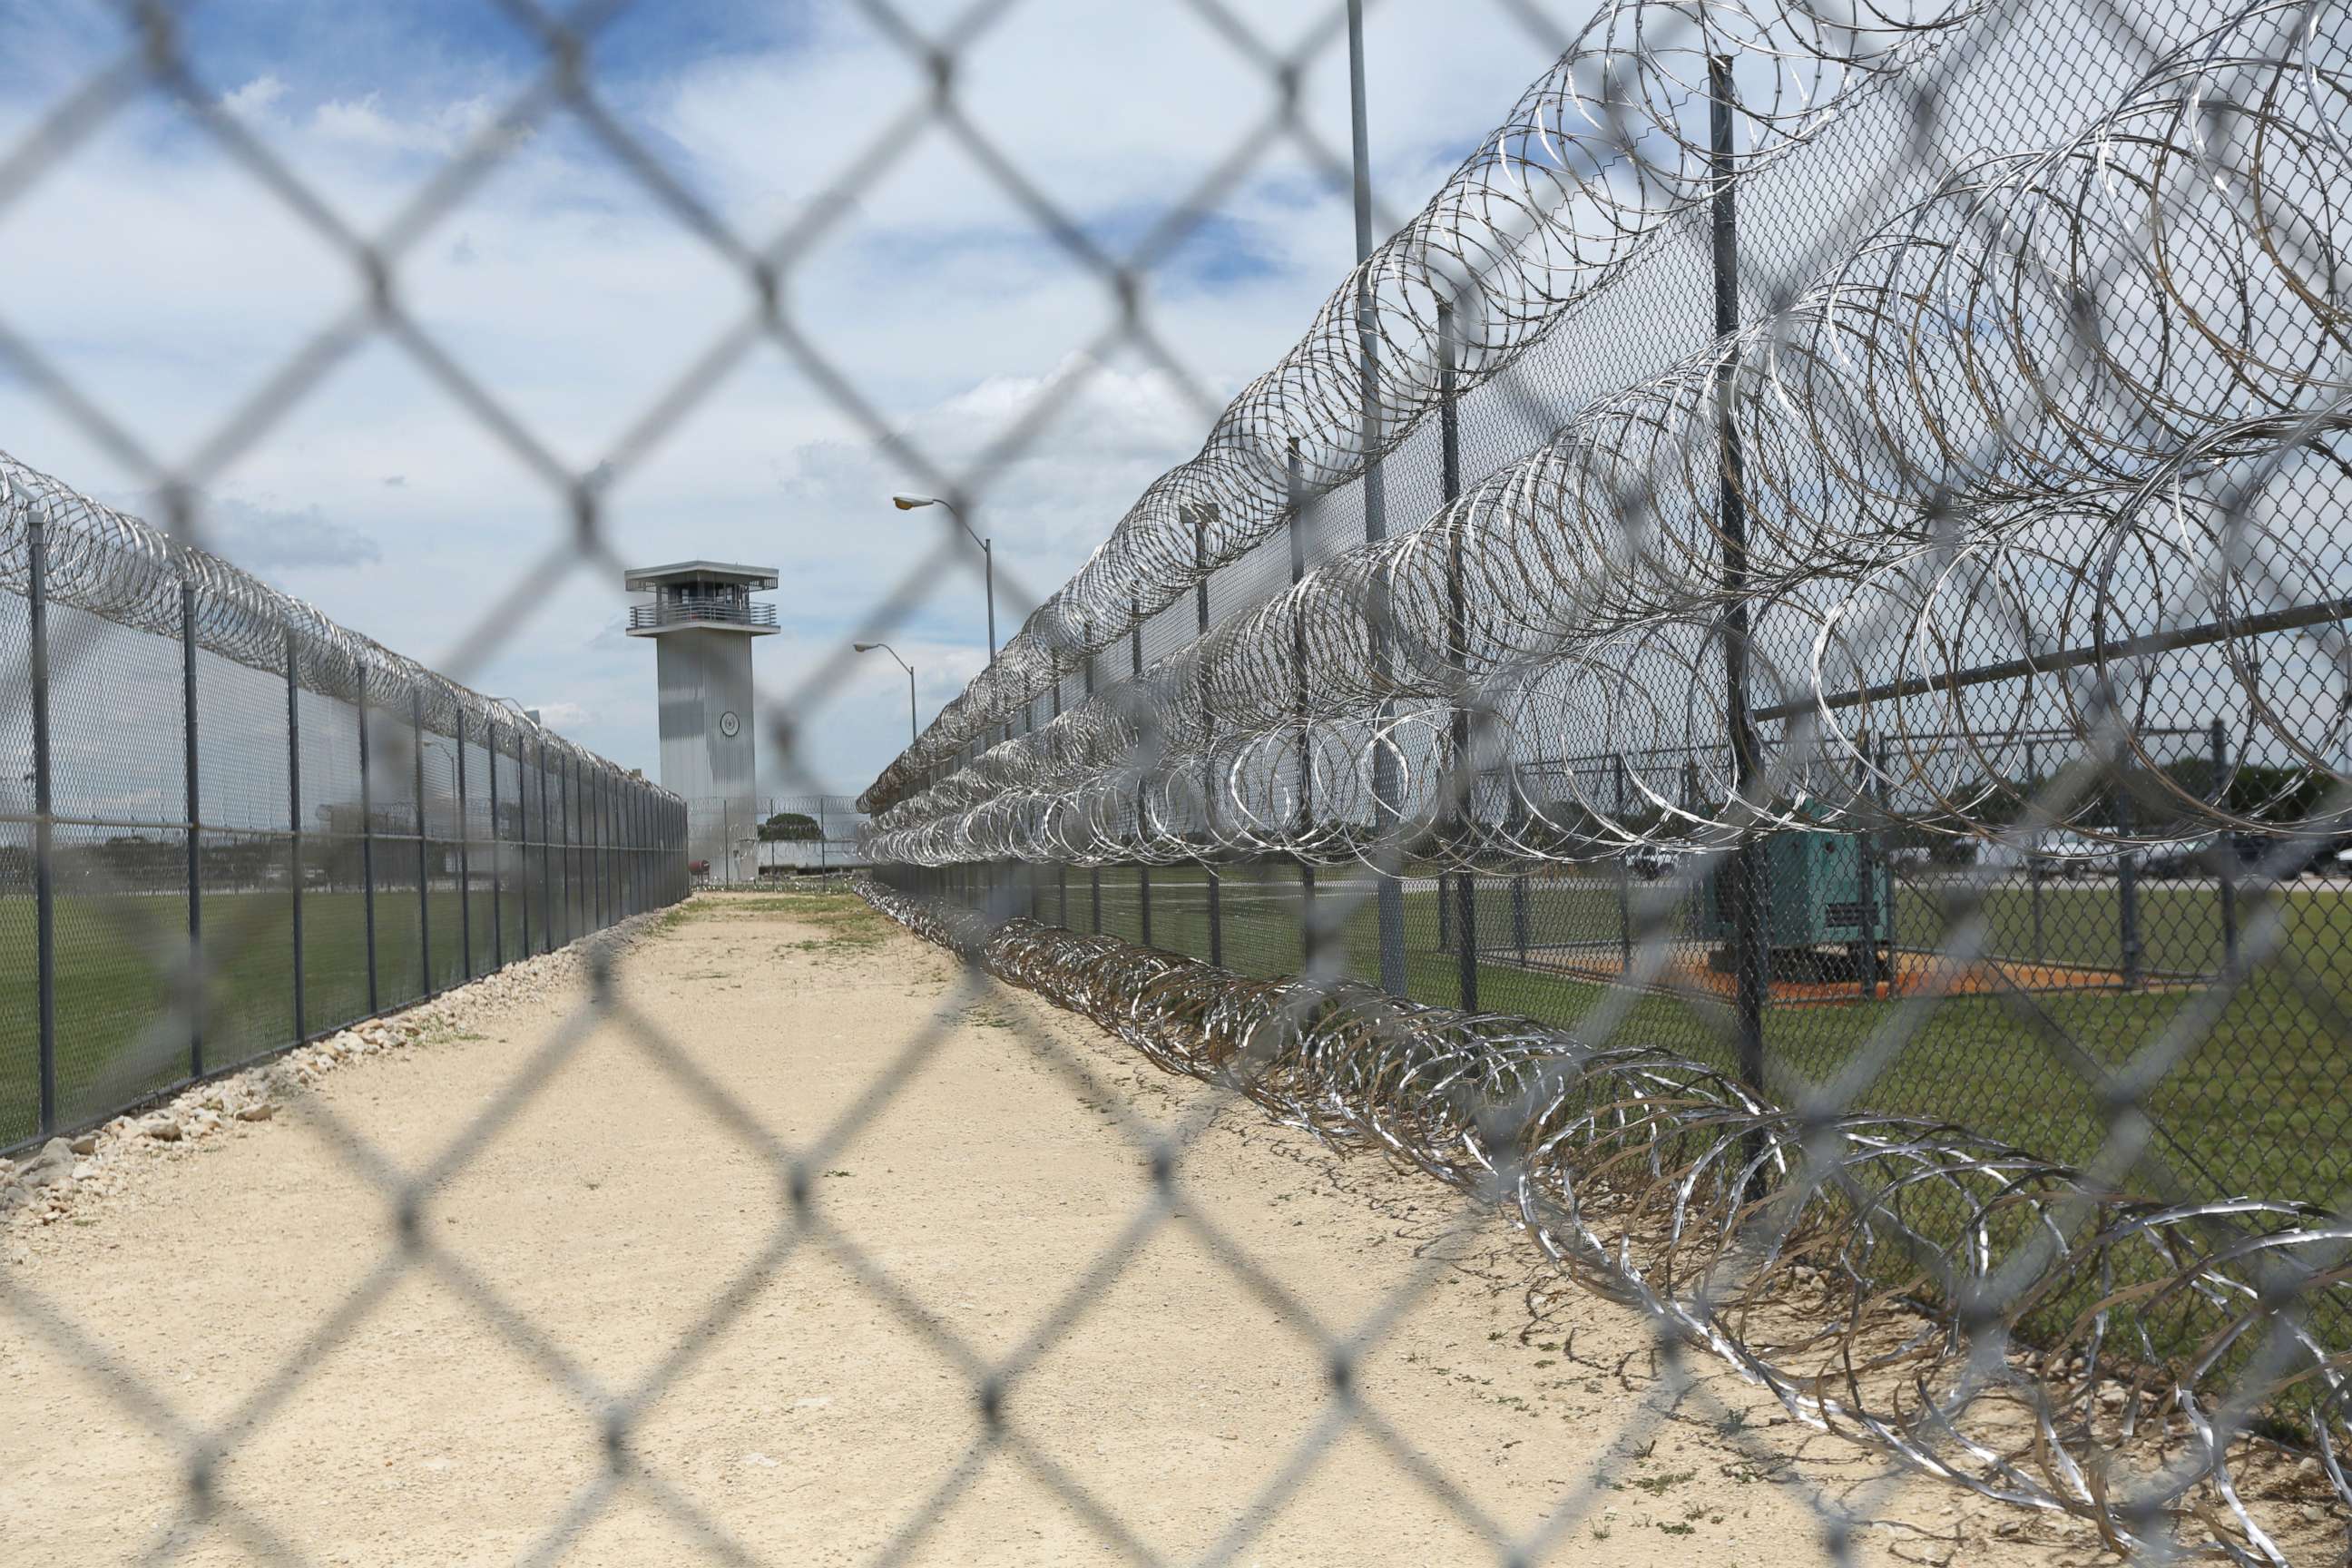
[(168, 286)]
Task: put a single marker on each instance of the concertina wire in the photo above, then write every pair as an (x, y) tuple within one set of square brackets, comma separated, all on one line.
[(2000, 1320), (2025, 458), (105, 563)]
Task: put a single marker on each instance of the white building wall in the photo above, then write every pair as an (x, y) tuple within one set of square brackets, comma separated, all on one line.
[(705, 675)]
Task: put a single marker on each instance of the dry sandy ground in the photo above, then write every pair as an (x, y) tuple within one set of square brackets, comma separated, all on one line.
[(445, 1407)]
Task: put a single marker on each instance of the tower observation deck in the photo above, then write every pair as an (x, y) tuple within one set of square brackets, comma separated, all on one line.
[(702, 617)]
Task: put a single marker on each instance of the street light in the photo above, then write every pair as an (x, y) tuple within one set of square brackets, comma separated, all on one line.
[(987, 551), (868, 648)]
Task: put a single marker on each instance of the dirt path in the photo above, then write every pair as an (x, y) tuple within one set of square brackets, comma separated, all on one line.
[(444, 1402)]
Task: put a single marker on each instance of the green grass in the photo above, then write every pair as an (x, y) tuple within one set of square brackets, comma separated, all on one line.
[(120, 1036), (2259, 1104)]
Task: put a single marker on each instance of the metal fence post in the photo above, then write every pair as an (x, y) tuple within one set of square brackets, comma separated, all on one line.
[(2127, 891), (45, 901), (1388, 886), (1310, 939), (1209, 764), (294, 816), (498, 851), (1142, 790), (1886, 877), (195, 986), (424, 867), (1624, 875), (1866, 876), (2033, 871), (1094, 873), (367, 839), (1457, 595), (546, 860), (1751, 926), (2225, 848), (575, 894), (1520, 917), (465, 860), (524, 881)]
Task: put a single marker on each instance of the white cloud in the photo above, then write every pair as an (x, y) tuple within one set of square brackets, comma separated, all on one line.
[(253, 100), (576, 300)]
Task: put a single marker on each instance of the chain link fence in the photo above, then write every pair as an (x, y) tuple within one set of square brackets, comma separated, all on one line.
[(1756, 696), (1892, 715), (778, 835), (233, 826)]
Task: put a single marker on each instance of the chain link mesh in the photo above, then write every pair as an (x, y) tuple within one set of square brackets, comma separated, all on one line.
[(1759, 695)]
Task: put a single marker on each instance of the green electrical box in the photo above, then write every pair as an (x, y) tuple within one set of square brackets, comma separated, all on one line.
[(1819, 897)]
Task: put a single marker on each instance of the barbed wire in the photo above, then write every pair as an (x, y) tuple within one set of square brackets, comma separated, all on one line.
[(1599, 157), (2047, 455), (129, 573), (2000, 1320)]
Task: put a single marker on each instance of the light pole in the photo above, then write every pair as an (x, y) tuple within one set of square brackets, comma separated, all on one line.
[(885, 648), (987, 552)]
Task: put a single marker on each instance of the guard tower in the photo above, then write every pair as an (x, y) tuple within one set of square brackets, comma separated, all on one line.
[(702, 614)]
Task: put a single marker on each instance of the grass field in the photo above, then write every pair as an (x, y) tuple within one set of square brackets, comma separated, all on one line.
[(119, 1035), (2258, 1105)]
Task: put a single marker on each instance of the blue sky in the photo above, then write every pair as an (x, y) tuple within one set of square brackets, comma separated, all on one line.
[(169, 286)]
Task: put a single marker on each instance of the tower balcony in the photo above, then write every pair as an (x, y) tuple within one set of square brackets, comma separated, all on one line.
[(708, 595), (670, 615)]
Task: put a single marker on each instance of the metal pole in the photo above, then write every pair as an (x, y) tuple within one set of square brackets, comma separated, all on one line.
[(45, 911), (294, 817), (367, 838), (1142, 868), (1310, 941), (423, 865), (573, 901), (546, 860), (1388, 886), (1520, 917), (196, 989), (1457, 594), (2225, 848), (912, 734), (2128, 893), (1751, 928), (1094, 873), (1624, 876), (498, 853), (2033, 871), (465, 861), (1887, 880), (988, 567), (1208, 766), (1866, 876), (524, 881)]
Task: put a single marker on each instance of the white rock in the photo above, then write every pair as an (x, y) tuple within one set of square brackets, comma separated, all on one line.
[(53, 1166)]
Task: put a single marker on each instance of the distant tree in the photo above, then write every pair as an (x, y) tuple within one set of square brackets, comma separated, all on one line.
[(786, 826)]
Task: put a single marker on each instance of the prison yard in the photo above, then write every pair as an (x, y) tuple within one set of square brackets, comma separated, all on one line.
[(613, 1217), (1615, 830), (2015, 1047), (2014, 1050), (120, 1024)]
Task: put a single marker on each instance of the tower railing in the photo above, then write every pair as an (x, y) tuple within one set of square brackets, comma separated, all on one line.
[(644, 618)]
